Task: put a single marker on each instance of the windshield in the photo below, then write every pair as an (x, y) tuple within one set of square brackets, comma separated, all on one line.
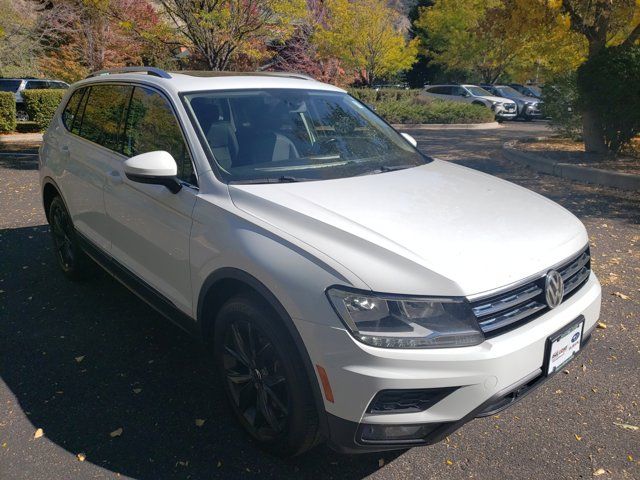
[(263, 136), (478, 92), (9, 85), (508, 92)]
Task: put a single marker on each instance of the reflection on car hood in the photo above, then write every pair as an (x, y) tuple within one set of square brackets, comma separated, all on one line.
[(435, 229)]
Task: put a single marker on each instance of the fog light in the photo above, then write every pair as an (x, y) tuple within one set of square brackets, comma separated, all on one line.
[(382, 433)]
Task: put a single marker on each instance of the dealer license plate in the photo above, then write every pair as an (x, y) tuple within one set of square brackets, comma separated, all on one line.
[(564, 346)]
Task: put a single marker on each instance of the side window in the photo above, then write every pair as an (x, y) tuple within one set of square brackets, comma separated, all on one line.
[(151, 125), (70, 111), (36, 84), (77, 121), (104, 113)]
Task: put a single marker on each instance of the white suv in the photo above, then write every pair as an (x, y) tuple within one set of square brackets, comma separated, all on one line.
[(351, 288), (503, 108)]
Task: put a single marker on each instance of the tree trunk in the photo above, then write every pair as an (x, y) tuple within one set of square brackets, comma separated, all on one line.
[(592, 132)]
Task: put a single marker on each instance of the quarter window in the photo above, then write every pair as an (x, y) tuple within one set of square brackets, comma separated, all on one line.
[(70, 111), (151, 126)]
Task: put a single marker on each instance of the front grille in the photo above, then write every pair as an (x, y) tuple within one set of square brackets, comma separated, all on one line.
[(510, 107), (508, 310), (406, 401)]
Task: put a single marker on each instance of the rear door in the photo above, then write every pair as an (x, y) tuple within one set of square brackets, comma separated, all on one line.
[(93, 119), (150, 226)]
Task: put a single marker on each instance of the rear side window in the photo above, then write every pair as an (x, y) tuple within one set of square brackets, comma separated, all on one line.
[(71, 110), (441, 90), (151, 125), (104, 114), (10, 85), (36, 84)]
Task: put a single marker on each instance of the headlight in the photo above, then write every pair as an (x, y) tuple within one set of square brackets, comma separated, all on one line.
[(392, 321), (497, 104)]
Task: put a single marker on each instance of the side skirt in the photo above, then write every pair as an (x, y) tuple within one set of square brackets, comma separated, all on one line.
[(139, 287)]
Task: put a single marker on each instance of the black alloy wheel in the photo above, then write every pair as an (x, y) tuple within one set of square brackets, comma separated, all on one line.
[(262, 373), (256, 380), (71, 259)]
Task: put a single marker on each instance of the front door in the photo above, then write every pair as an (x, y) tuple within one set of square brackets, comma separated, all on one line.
[(150, 225)]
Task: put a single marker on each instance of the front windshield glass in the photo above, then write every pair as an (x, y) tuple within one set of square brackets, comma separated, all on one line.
[(478, 92), (508, 92), (278, 135), (9, 85)]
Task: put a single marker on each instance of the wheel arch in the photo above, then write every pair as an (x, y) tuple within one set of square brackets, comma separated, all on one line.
[(226, 282), (50, 190)]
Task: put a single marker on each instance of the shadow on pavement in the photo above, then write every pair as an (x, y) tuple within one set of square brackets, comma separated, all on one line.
[(75, 354)]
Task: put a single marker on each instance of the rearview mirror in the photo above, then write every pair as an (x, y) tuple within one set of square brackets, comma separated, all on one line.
[(156, 168), (410, 139)]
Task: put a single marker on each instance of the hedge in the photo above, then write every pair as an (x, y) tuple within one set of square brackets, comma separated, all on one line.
[(371, 96), (420, 110), (7, 112), (42, 104)]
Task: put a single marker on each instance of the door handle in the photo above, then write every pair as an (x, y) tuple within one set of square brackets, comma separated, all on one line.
[(114, 177)]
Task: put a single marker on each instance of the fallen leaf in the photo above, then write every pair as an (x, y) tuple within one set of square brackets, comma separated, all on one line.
[(381, 462), (578, 437), (81, 457), (602, 325), (630, 458), (599, 472), (39, 433), (137, 390), (449, 462), (182, 463), (200, 422), (626, 426), (621, 295), (80, 358), (116, 433), (219, 463)]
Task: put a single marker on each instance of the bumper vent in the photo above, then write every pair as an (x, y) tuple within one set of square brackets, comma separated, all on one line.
[(407, 401), (508, 310)]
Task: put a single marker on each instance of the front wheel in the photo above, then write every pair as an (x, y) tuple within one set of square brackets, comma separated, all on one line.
[(260, 369)]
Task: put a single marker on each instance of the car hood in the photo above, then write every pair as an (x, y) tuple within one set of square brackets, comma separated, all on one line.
[(437, 229), (497, 99)]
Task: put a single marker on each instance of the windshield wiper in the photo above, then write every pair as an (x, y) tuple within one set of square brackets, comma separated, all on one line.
[(282, 179), (388, 168)]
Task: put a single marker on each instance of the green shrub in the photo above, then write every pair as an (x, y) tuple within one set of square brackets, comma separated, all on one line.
[(371, 96), (7, 112), (561, 105), (608, 87), (438, 111), (42, 104)]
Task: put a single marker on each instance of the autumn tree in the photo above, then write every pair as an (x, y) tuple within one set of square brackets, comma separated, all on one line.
[(492, 38), (603, 24), (221, 31), (366, 36)]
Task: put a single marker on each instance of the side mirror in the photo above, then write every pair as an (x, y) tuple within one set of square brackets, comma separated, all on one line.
[(410, 139), (156, 168)]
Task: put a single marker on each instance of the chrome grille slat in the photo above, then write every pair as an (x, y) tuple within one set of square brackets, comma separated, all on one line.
[(574, 266), (504, 311), (510, 300), (571, 284), (513, 316)]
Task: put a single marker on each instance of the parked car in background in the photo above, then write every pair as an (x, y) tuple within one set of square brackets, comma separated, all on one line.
[(528, 107), (527, 90), (503, 108), (18, 85), (349, 287)]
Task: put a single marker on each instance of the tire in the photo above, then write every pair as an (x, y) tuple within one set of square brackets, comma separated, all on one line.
[(259, 367), (72, 260)]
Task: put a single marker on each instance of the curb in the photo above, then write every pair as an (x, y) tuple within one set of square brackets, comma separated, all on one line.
[(21, 137), (595, 176), (447, 126)]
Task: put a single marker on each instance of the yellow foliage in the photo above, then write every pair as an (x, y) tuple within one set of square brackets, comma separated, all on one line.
[(365, 36)]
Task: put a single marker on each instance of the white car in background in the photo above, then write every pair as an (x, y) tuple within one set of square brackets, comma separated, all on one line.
[(349, 287), (503, 108), (18, 85)]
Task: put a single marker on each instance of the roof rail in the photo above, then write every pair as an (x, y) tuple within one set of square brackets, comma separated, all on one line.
[(301, 76), (156, 72)]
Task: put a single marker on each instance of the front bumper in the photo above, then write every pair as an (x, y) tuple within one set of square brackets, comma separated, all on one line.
[(502, 113), (487, 377)]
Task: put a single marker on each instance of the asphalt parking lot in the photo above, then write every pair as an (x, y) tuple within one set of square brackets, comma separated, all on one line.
[(81, 361)]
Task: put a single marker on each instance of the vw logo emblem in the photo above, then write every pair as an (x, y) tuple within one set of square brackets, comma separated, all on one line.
[(553, 288)]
